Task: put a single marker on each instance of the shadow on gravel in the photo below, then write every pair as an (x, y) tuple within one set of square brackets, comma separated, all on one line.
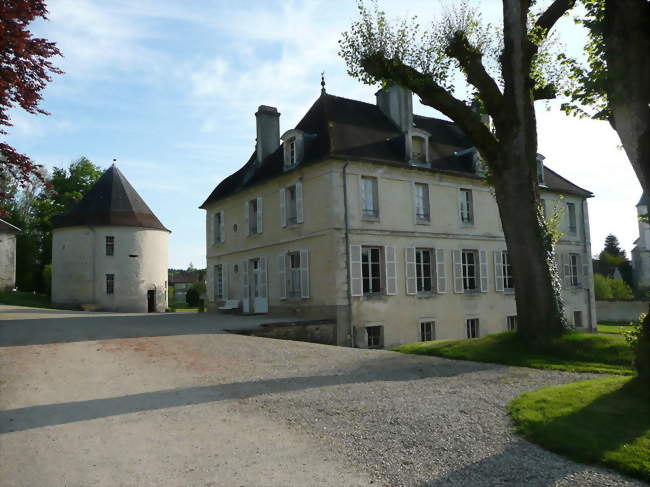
[(393, 368)]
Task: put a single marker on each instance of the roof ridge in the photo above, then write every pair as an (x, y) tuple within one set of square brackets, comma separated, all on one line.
[(546, 168)]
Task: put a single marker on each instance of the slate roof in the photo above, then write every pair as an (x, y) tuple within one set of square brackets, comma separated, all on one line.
[(337, 127), (8, 227), (643, 201), (111, 201)]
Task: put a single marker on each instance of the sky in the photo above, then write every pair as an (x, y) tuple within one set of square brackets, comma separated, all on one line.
[(169, 88)]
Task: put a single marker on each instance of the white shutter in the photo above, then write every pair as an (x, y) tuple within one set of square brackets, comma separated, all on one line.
[(246, 215), (222, 227), (498, 270), (391, 271), (585, 273), (441, 273), (362, 192), (282, 275), (304, 273), (483, 270), (566, 270), (458, 271), (224, 280), (414, 189), (283, 207), (356, 282), (299, 202), (262, 283), (579, 269), (462, 203), (259, 215), (209, 223), (211, 284), (411, 285), (244, 280)]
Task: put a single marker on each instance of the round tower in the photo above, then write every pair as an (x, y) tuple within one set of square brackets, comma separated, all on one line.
[(109, 253)]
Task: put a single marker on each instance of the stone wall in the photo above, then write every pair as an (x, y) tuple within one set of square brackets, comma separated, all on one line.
[(316, 331), (612, 310)]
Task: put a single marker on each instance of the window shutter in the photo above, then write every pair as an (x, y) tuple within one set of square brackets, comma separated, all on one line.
[(362, 192), (246, 215), (585, 273), (458, 271), (299, 202), (209, 223), (441, 274), (414, 189), (244, 280), (483, 270), (566, 266), (356, 283), (224, 280), (579, 270), (222, 227), (462, 203), (259, 215), (262, 283), (391, 271), (282, 275), (283, 207), (211, 285), (498, 270), (304, 273), (411, 287)]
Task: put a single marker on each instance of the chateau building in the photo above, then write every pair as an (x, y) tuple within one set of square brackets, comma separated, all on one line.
[(109, 253), (7, 255), (382, 220), (641, 250)]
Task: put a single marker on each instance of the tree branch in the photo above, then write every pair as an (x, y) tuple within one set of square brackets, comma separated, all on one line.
[(546, 92), (434, 95), (469, 59), (547, 20)]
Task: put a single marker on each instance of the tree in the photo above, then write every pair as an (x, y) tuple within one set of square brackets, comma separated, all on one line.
[(612, 258), (25, 70), (612, 246), (377, 52), (192, 297)]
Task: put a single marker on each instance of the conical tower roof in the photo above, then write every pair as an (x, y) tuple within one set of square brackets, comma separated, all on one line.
[(111, 201)]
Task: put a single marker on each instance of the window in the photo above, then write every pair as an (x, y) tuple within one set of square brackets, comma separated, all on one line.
[(292, 213), (369, 198), (469, 265), (418, 149), (574, 266), (218, 282), (508, 281), (540, 172), (292, 152), (371, 269), (110, 245), (466, 207), (421, 202), (293, 277), (471, 326), (374, 336), (571, 210), (253, 215), (427, 331), (511, 323), (218, 227), (110, 283), (424, 270), (577, 319)]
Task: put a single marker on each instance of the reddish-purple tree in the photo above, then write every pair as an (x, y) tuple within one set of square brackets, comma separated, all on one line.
[(25, 69)]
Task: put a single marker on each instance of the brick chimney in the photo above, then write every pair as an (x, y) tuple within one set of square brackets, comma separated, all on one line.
[(268, 131), (397, 104)]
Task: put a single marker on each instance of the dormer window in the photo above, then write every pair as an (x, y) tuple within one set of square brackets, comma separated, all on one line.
[(540, 169), (293, 148), (417, 147), (418, 151)]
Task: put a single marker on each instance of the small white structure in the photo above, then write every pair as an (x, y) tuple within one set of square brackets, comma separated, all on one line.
[(109, 253), (7, 255), (641, 250)]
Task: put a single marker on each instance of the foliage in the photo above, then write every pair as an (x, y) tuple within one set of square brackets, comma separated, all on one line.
[(571, 420), (610, 288), (199, 287), (31, 299), (577, 352), (25, 70), (639, 339), (192, 297), (611, 258), (612, 246), (612, 327), (47, 279)]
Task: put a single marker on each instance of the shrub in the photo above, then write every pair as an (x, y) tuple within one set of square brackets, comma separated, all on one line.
[(192, 297), (47, 279), (601, 287), (199, 287), (620, 290), (639, 339), (608, 288)]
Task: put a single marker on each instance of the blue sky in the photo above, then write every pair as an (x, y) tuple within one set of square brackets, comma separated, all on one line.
[(170, 89)]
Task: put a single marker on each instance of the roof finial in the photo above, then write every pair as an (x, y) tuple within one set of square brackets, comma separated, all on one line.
[(114, 161), (322, 82)]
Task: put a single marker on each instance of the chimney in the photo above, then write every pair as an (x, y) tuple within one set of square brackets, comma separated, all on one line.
[(268, 131), (397, 104)]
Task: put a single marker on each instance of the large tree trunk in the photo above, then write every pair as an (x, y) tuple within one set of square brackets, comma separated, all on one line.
[(627, 44)]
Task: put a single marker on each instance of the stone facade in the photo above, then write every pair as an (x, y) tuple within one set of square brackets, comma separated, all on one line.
[(641, 250), (7, 256)]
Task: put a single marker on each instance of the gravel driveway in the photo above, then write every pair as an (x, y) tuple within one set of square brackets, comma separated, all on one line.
[(199, 407)]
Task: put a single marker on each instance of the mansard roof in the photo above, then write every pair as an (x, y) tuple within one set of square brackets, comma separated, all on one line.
[(643, 201), (337, 127), (111, 201), (8, 227)]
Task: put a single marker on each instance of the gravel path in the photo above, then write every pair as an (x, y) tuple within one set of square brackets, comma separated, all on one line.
[(227, 410)]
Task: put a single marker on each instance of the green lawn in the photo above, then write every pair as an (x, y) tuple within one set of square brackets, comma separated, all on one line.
[(577, 352), (27, 299), (601, 421), (613, 327)]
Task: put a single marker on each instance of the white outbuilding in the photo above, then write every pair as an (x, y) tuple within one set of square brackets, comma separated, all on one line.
[(109, 253), (7, 255)]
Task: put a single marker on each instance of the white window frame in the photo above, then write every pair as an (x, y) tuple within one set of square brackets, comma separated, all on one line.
[(511, 323), (572, 217), (367, 267), (466, 207), (430, 334), (218, 228), (286, 205), (286, 274), (253, 217), (379, 343), (369, 212), (218, 282), (572, 270), (292, 148), (472, 327), (420, 268), (293, 274), (466, 266), (503, 280), (422, 217)]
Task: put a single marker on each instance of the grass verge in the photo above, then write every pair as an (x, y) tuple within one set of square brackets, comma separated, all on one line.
[(601, 421), (575, 352), (32, 300), (616, 328)]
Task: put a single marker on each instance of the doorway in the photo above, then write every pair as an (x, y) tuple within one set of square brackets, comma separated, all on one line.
[(151, 301), (255, 287)]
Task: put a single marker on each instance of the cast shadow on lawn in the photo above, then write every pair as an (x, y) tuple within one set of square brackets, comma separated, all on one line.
[(393, 368)]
